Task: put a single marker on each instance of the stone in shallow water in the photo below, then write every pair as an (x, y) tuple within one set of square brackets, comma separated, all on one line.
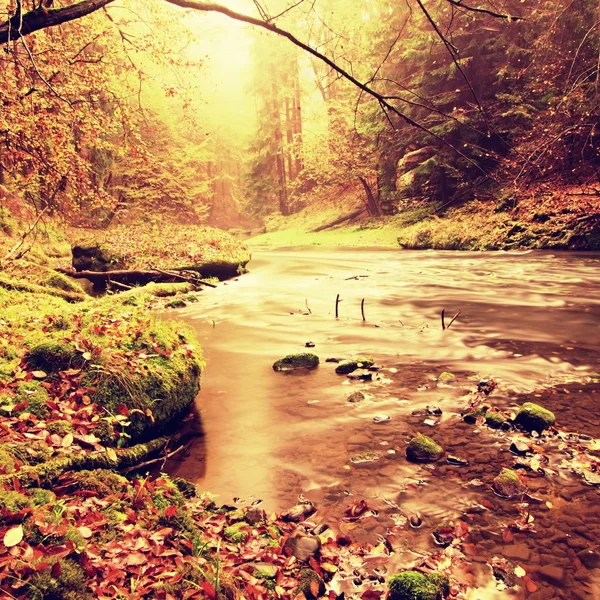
[(533, 417), (508, 484), (446, 378), (351, 365), (364, 457), (381, 419), (292, 362), (298, 512), (356, 397), (423, 449), (363, 374)]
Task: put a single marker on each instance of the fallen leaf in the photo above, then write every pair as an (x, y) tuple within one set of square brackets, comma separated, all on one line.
[(85, 532), (112, 455), (39, 374), (314, 588), (13, 536), (67, 440), (520, 571)]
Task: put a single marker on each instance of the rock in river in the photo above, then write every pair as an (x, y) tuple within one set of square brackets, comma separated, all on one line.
[(351, 365), (533, 417), (299, 512), (508, 484), (423, 449), (415, 585), (292, 362)]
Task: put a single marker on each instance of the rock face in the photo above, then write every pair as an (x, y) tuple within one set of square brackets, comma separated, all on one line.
[(533, 417), (423, 449), (414, 585), (351, 365), (508, 484), (292, 362)]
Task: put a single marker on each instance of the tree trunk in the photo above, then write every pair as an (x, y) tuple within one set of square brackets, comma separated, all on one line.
[(372, 204)]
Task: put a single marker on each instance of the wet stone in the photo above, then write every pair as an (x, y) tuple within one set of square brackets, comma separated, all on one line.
[(457, 461), (362, 374), (356, 397), (589, 558), (254, 516), (517, 552), (520, 448), (381, 419), (303, 547), (423, 449), (298, 512), (552, 573), (364, 457), (508, 484), (433, 410)]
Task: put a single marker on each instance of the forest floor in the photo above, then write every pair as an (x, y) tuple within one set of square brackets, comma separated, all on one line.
[(548, 217)]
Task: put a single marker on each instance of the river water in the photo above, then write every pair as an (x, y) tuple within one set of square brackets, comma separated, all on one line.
[(529, 320)]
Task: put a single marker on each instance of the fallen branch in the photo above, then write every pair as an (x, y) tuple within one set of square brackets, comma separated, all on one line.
[(356, 213), (123, 276), (48, 472), (153, 461), (453, 319), (362, 309), (14, 249), (337, 302)]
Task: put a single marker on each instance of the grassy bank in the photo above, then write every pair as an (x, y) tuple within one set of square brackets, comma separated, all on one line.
[(542, 220)]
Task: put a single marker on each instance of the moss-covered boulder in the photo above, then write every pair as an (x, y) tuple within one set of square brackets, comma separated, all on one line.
[(52, 357), (446, 378), (414, 585), (237, 533), (495, 419), (508, 484), (476, 413), (310, 584), (348, 366), (96, 256), (292, 362), (533, 417), (423, 449)]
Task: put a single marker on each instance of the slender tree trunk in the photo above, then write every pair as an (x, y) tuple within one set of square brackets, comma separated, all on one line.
[(289, 134), (372, 204)]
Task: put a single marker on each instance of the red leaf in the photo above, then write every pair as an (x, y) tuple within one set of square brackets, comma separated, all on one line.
[(171, 511), (371, 595), (56, 570), (209, 590), (529, 584)]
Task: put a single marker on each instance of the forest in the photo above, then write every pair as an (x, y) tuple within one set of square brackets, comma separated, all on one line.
[(299, 299)]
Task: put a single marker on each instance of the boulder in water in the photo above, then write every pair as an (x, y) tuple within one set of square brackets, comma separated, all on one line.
[(293, 362), (423, 449), (533, 417), (348, 366)]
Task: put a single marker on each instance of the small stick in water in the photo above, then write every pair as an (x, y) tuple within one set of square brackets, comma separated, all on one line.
[(362, 308), (453, 319), (337, 301), (443, 324), (307, 307)]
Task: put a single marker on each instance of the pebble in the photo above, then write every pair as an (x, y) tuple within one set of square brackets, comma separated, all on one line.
[(381, 418), (589, 558), (303, 547), (552, 573)]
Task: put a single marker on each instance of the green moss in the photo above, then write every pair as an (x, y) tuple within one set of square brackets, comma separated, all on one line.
[(534, 417), (237, 532), (187, 488), (446, 378), (478, 413), (291, 362), (495, 419), (13, 501), (69, 585), (414, 585), (60, 426), (102, 481), (423, 449), (36, 397), (508, 484), (52, 357), (162, 290), (348, 366), (305, 579), (176, 303)]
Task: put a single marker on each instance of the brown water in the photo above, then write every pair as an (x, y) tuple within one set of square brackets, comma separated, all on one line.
[(529, 320)]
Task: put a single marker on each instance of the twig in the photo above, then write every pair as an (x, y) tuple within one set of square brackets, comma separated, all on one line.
[(337, 301), (443, 324), (509, 18), (153, 461), (122, 286), (307, 307), (362, 309), (453, 318), (24, 236), (190, 279)]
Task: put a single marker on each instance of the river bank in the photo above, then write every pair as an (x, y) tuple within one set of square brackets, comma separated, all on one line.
[(568, 219)]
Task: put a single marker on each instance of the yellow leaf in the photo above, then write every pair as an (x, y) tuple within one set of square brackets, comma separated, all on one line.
[(39, 374), (87, 355), (314, 588), (549, 504), (13, 536), (85, 532), (329, 567), (520, 571), (67, 440), (112, 455)]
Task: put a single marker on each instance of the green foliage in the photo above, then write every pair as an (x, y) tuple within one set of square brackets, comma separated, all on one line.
[(415, 585)]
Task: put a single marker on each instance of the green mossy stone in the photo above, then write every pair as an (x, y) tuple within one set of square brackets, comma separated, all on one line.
[(305, 578), (52, 357), (236, 533), (508, 484), (291, 362), (533, 417), (495, 420), (423, 449), (446, 378), (414, 585), (348, 366), (480, 411)]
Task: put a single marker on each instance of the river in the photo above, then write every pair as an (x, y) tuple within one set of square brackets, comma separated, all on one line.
[(529, 320)]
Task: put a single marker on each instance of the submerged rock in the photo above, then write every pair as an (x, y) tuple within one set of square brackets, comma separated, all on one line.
[(423, 449), (508, 484), (292, 362), (446, 378), (363, 374), (533, 417), (495, 419), (479, 412), (365, 457), (298, 512), (414, 585), (356, 397), (348, 366)]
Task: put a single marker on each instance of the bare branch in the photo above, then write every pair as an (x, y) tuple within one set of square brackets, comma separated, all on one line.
[(485, 11)]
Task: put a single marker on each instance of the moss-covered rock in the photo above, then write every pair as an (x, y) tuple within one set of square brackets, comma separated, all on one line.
[(292, 362), (309, 583), (477, 413), (237, 532), (414, 585), (68, 584), (533, 417), (495, 419), (348, 366), (508, 484), (96, 256), (446, 378), (423, 449), (52, 357), (34, 396)]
